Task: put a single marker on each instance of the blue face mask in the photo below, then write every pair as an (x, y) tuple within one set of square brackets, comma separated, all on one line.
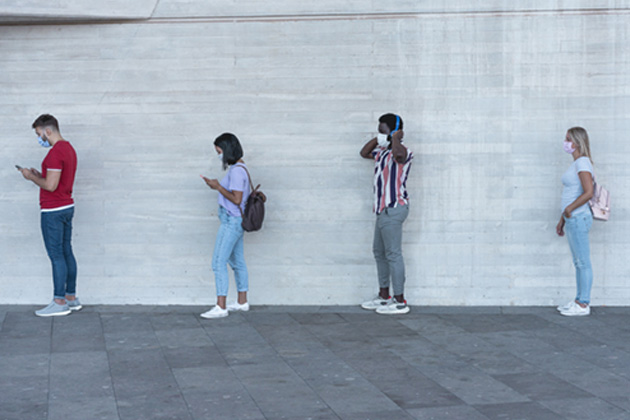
[(42, 142)]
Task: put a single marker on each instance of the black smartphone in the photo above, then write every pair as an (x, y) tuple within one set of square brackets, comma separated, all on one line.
[(19, 168)]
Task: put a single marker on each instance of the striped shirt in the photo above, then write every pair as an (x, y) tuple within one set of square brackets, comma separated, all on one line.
[(390, 179)]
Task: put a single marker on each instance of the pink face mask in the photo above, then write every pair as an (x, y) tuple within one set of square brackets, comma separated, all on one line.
[(568, 147)]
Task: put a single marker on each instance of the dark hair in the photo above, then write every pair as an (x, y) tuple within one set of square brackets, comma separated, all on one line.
[(390, 120), (46, 120), (232, 150)]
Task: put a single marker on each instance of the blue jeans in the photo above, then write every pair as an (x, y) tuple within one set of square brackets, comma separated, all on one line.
[(228, 249), (387, 248), (57, 233), (577, 228)]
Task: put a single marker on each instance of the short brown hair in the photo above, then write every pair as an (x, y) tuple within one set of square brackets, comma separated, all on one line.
[(46, 120)]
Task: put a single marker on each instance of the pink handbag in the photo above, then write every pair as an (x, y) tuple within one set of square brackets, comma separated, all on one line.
[(600, 202)]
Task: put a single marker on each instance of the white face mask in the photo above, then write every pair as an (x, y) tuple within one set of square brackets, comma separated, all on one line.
[(382, 140), (220, 157)]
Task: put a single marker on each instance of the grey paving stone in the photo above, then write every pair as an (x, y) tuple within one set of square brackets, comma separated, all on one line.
[(612, 359), (37, 344), (188, 337), (584, 408), (158, 404), (93, 408), (126, 323), (318, 318), (595, 380), (80, 375), (352, 394), (24, 397), (3, 314), (377, 415), (170, 321), (457, 412), (78, 332), (486, 390), (214, 392), (142, 340), (542, 386), (271, 319), (518, 411), (186, 357), (23, 324), (314, 363), (24, 365), (431, 324)]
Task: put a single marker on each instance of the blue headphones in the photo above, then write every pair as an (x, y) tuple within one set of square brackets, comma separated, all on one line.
[(397, 126)]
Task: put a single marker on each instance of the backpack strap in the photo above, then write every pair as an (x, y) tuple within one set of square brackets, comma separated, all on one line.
[(251, 185)]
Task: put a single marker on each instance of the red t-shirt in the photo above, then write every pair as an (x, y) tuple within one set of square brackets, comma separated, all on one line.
[(63, 158)]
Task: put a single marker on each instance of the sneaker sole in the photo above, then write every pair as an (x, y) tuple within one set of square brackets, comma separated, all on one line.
[(398, 312), (76, 308), (64, 313), (213, 316), (566, 314)]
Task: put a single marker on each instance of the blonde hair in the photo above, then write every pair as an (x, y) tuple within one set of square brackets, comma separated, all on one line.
[(579, 136)]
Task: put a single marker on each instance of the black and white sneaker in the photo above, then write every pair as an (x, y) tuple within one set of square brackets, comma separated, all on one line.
[(377, 302), (394, 308)]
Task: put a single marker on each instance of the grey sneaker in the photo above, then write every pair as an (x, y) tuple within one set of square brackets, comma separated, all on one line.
[(394, 308), (54, 309), (74, 305), (375, 303)]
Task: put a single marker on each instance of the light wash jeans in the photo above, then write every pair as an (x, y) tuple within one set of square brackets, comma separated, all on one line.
[(57, 233), (577, 228), (387, 248), (228, 249)]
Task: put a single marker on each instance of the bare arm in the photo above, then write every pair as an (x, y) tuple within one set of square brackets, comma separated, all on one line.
[(233, 196), (587, 185), (399, 152), (50, 183), (366, 151)]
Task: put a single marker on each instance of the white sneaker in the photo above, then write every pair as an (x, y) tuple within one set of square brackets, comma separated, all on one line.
[(566, 306), (576, 310), (238, 307), (394, 308), (216, 312), (375, 303)]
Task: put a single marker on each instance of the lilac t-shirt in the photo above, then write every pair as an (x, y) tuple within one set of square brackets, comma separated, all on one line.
[(236, 179)]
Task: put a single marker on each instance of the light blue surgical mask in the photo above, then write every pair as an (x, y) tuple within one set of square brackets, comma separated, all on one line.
[(220, 157), (43, 142)]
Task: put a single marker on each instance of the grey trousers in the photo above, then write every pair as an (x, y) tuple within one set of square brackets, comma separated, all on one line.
[(387, 248)]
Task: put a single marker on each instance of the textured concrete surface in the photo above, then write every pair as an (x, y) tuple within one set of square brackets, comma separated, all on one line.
[(486, 91), (139, 362)]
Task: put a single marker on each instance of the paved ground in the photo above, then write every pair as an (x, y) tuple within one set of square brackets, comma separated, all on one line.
[(117, 362)]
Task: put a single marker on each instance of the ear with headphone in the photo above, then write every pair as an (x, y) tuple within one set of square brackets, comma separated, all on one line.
[(397, 126)]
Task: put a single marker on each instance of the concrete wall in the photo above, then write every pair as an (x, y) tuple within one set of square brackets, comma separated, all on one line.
[(486, 92)]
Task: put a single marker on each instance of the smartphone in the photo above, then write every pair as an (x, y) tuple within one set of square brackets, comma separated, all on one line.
[(19, 168)]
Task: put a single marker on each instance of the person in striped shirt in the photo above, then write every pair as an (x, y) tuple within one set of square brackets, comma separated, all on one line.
[(392, 161)]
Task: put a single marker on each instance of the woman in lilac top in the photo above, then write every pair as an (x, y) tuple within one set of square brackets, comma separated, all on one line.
[(228, 249), (577, 218)]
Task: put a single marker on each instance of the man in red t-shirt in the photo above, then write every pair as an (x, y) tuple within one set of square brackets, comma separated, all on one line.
[(55, 198)]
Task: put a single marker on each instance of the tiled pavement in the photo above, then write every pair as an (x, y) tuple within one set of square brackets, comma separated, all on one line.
[(130, 362)]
